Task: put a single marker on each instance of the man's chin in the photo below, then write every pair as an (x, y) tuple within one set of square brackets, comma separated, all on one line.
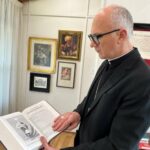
[(100, 56)]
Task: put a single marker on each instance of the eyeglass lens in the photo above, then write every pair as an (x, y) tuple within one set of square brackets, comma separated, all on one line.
[(95, 38)]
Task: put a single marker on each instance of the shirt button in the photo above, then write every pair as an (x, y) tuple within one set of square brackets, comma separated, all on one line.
[(89, 109)]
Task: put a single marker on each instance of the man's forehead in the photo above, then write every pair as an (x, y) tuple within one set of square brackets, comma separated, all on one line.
[(101, 22), (98, 25)]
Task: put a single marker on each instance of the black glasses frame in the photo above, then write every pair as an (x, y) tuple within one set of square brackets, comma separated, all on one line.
[(95, 37)]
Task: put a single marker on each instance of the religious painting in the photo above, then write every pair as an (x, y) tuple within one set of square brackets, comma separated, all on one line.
[(42, 55), (69, 46)]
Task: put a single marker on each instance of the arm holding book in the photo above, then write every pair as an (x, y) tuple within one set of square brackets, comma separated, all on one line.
[(22, 130), (69, 121)]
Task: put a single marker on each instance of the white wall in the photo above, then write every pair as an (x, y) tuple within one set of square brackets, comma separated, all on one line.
[(43, 18), (138, 8)]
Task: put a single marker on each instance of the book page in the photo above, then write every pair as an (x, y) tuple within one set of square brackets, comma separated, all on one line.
[(21, 129), (42, 116)]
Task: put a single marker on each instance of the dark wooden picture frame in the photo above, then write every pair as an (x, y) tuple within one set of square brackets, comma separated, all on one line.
[(40, 82), (142, 26)]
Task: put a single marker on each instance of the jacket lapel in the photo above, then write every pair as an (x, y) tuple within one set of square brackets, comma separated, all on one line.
[(99, 72), (117, 75)]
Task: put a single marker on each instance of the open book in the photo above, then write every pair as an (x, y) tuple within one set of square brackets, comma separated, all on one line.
[(22, 130)]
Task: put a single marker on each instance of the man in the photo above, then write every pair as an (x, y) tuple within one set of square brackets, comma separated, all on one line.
[(116, 111)]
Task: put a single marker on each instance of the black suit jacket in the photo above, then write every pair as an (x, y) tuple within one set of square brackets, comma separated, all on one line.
[(120, 114)]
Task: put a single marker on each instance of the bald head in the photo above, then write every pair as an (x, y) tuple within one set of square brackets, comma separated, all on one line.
[(111, 32), (115, 17)]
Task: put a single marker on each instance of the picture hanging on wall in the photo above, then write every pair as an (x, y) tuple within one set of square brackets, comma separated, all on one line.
[(42, 55), (69, 44), (39, 82), (66, 74), (141, 39)]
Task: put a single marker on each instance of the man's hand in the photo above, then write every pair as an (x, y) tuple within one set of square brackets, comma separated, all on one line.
[(69, 121), (45, 144)]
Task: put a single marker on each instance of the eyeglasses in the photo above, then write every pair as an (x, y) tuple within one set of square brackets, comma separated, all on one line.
[(95, 37)]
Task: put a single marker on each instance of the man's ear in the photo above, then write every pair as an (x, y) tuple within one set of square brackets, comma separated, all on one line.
[(123, 34)]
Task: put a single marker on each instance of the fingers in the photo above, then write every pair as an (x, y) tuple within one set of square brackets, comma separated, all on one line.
[(68, 120), (55, 120), (44, 143), (61, 124), (56, 123), (72, 126)]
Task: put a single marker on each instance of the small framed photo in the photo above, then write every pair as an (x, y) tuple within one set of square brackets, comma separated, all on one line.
[(42, 55), (69, 46), (39, 82), (66, 74)]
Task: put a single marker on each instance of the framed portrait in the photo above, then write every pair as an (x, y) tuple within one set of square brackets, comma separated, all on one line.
[(42, 55), (69, 44), (40, 82), (66, 74)]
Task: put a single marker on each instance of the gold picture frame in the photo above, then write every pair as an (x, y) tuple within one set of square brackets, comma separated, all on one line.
[(69, 44), (42, 55)]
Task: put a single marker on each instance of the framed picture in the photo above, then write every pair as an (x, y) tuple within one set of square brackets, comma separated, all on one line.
[(69, 46), (141, 26), (42, 55), (39, 82), (141, 39), (66, 74)]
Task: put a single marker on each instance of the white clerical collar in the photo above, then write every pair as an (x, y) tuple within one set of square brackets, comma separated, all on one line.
[(109, 60)]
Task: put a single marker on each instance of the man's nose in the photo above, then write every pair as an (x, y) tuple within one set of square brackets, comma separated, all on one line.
[(93, 44)]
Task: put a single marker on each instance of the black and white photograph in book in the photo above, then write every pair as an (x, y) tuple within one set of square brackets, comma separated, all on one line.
[(25, 130), (39, 82)]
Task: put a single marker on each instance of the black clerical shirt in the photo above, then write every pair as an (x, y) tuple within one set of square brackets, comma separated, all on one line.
[(108, 70)]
